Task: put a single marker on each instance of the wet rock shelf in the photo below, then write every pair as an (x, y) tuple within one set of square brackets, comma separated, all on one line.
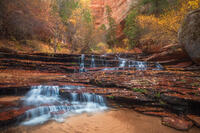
[(172, 95)]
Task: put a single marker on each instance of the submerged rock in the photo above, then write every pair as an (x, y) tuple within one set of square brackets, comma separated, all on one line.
[(189, 35)]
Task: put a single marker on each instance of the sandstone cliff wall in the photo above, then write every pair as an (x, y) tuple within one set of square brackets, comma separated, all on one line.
[(120, 9)]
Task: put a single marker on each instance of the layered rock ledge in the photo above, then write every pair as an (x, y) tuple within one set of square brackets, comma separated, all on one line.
[(172, 95)]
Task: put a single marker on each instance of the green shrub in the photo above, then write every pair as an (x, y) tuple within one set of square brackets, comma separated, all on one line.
[(111, 97), (139, 90), (157, 95)]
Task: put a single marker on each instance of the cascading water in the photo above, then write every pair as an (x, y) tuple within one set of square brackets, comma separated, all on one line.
[(122, 64), (42, 95), (103, 61), (48, 105), (141, 65), (82, 64), (92, 62), (131, 63)]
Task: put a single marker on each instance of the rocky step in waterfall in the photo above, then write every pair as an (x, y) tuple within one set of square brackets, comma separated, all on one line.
[(100, 63), (61, 63), (47, 104)]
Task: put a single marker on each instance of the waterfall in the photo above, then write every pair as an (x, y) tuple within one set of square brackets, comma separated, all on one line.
[(111, 64), (141, 65), (122, 62), (48, 105), (92, 62), (131, 63), (82, 64), (158, 67), (42, 95)]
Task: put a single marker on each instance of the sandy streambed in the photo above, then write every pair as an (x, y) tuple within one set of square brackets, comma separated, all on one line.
[(114, 121)]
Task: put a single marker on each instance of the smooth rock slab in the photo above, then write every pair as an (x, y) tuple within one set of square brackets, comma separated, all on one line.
[(195, 119), (159, 114), (148, 109), (177, 123)]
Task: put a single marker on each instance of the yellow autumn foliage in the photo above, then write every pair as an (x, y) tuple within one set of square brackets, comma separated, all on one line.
[(164, 29), (193, 4)]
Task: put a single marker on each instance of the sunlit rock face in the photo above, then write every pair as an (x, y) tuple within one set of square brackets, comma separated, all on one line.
[(120, 9)]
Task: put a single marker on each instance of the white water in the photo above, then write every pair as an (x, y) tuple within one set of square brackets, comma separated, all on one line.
[(42, 95), (72, 87), (123, 63), (48, 105), (139, 65), (92, 62), (82, 64)]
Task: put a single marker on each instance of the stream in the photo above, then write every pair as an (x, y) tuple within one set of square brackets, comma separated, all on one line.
[(48, 105), (80, 108)]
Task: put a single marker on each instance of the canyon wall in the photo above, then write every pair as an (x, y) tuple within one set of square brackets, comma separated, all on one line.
[(120, 9)]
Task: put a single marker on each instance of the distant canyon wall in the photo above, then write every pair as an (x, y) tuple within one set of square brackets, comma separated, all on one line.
[(120, 9)]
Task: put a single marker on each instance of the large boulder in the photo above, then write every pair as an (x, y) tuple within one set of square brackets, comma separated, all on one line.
[(189, 35)]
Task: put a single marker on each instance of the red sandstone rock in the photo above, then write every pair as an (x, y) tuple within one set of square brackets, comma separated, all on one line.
[(195, 119), (182, 64), (120, 9), (177, 123), (6, 104), (182, 98), (160, 114), (148, 109), (12, 114), (137, 50)]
